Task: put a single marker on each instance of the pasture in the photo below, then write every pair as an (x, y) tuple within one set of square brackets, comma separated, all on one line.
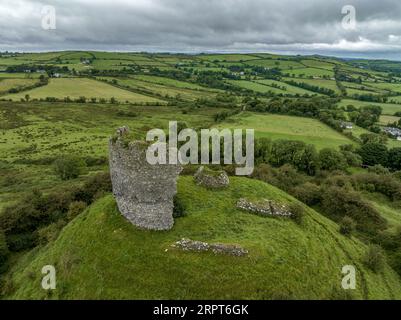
[(310, 72), (75, 88), (166, 90), (15, 83), (388, 108), (288, 128)]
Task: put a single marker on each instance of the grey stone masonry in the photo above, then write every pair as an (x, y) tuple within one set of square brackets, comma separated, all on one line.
[(211, 179), (144, 192), (216, 248), (264, 208)]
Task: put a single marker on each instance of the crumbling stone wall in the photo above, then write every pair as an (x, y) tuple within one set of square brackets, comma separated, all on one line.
[(211, 179), (264, 208), (144, 192), (216, 248)]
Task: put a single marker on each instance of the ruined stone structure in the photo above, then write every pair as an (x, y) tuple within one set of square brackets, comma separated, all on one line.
[(144, 192), (211, 179), (216, 248), (264, 208)]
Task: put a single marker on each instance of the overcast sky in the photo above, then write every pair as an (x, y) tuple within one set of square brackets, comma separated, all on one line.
[(284, 26)]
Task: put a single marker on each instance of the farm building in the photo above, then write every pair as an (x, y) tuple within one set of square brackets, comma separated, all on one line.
[(347, 125), (394, 132)]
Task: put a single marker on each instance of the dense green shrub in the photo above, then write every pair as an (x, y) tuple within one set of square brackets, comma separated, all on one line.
[(385, 184), (374, 153), (285, 177), (375, 258), (179, 208), (262, 150), (347, 226), (308, 193), (95, 187), (68, 167), (394, 158), (36, 211), (338, 203), (296, 153), (75, 208), (3, 250), (92, 161), (395, 260), (338, 180), (331, 159), (21, 241), (25, 215), (378, 169), (49, 233), (298, 212)]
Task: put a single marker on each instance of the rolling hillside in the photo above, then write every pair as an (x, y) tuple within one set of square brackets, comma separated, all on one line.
[(100, 255)]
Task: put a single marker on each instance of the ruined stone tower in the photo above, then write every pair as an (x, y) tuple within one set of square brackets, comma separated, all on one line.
[(144, 192)]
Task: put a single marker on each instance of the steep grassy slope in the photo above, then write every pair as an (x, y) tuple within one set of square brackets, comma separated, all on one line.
[(100, 255)]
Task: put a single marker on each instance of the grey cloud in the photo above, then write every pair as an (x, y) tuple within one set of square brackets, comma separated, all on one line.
[(306, 26)]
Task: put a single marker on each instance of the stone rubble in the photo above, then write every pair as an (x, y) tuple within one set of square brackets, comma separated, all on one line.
[(216, 180), (216, 248), (264, 208)]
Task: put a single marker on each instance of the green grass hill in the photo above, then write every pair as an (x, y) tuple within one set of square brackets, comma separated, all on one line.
[(100, 255)]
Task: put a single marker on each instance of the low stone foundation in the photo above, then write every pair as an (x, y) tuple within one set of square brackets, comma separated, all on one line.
[(216, 248), (264, 208), (211, 179)]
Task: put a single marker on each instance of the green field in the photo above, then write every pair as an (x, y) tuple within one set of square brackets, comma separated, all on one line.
[(328, 84), (386, 86), (19, 75), (14, 83), (139, 264), (310, 72), (270, 86), (289, 88), (287, 127), (75, 88), (257, 87), (388, 108), (172, 82), (165, 90), (281, 64), (384, 120), (396, 99), (227, 57), (314, 63)]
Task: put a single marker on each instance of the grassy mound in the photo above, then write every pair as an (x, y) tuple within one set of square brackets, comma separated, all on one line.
[(100, 255)]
